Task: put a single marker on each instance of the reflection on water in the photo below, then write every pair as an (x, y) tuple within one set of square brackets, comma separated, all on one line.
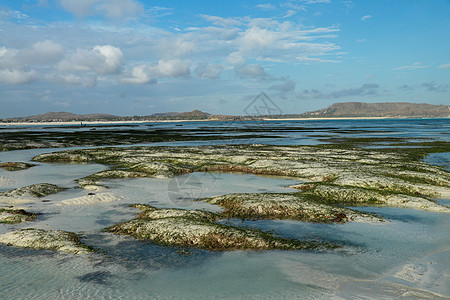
[(408, 252)]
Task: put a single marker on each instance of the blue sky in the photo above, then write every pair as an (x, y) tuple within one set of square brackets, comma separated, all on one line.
[(131, 57)]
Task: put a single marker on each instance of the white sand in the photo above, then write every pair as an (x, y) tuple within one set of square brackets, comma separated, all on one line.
[(17, 200), (91, 199), (4, 181)]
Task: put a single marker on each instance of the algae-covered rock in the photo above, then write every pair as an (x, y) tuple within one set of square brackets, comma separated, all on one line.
[(40, 239), (14, 216), (295, 206), (349, 195), (16, 166), (193, 228), (389, 171), (36, 190)]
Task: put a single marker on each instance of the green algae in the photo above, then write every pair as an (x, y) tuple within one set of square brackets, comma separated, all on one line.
[(16, 166), (35, 190), (396, 171), (306, 207), (32, 139), (197, 229), (15, 216), (40, 239)]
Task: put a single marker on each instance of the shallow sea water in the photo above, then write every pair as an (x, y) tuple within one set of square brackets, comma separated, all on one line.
[(407, 256)]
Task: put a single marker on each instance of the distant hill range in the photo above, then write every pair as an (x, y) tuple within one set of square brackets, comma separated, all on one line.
[(337, 110), (68, 117), (387, 110)]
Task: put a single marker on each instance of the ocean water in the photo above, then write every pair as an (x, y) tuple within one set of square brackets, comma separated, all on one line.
[(407, 256)]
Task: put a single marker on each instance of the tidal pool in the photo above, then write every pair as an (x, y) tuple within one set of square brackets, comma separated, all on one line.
[(406, 256)]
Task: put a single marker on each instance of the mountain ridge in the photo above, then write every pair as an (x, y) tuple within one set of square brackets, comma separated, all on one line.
[(383, 109), (336, 110)]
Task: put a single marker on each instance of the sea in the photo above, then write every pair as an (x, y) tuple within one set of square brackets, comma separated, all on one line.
[(407, 257)]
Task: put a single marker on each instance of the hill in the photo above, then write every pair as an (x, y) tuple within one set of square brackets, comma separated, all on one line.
[(193, 115), (388, 110), (67, 116)]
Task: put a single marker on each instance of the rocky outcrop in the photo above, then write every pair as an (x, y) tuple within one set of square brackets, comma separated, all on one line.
[(36, 190), (16, 166), (40, 239), (298, 206), (14, 216), (193, 228)]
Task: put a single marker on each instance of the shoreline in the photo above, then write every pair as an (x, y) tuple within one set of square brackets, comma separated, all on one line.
[(81, 123)]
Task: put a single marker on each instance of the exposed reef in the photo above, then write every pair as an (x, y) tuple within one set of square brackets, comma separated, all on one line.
[(40, 239), (294, 206), (16, 166), (394, 177), (119, 135), (194, 228), (333, 194), (14, 216), (36, 190)]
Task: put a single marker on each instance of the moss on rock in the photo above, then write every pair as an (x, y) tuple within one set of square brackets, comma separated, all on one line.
[(389, 171), (36, 190), (193, 228), (16, 166), (40, 239), (357, 196), (294, 206), (14, 216)]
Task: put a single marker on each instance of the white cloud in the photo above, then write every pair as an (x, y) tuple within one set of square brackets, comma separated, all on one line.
[(210, 71), (444, 66), (105, 59), (120, 9), (366, 17), (236, 59), (16, 64), (365, 90), (164, 69), (80, 8), (257, 38), (16, 76), (316, 1), (175, 46), (43, 52), (39, 53), (286, 87), (414, 66), (110, 9), (72, 79), (140, 74), (219, 21), (266, 6), (173, 68), (251, 71)]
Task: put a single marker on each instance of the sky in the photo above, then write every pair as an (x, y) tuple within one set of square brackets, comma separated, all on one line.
[(135, 57)]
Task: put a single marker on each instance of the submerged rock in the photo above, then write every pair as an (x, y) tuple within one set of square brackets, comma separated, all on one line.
[(40, 239), (14, 216), (296, 206), (36, 190), (193, 228), (16, 166)]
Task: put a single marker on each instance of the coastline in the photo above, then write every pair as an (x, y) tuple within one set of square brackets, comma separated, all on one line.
[(79, 123)]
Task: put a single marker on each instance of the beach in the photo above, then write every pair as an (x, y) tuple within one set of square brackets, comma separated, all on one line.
[(389, 242)]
